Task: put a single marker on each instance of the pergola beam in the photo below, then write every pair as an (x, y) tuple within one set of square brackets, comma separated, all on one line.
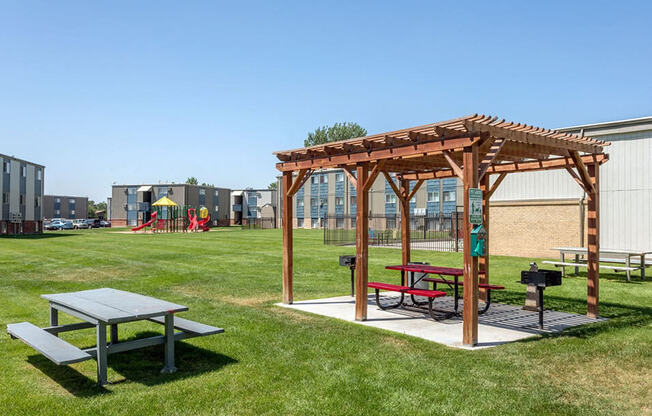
[(301, 179), (497, 182), (453, 164), (351, 176), (529, 166), (582, 171), (423, 148), (489, 158)]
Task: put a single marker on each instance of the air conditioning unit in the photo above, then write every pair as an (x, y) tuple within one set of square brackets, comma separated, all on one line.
[(126, 191), (170, 191), (124, 206)]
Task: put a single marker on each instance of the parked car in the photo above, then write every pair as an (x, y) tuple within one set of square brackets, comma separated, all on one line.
[(105, 224), (59, 225), (93, 223), (77, 224)]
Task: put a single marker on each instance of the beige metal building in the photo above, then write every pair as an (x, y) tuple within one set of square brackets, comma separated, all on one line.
[(21, 188)]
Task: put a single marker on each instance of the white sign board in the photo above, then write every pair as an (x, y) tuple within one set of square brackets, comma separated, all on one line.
[(475, 206), (419, 212)]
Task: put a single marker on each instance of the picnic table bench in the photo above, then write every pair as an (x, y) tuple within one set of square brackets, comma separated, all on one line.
[(100, 308), (455, 273), (620, 256)]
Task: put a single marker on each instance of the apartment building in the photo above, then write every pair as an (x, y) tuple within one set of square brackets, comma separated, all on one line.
[(249, 203), (328, 195), (61, 206), (22, 193), (131, 204)]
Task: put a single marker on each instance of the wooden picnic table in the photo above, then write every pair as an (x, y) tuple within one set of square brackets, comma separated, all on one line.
[(607, 255), (104, 307)]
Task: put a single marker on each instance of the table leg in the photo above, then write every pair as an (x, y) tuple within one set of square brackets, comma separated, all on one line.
[(352, 281), (563, 269), (54, 318), (169, 345), (577, 260), (456, 293), (101, 354), (540, 290), (642, 266), (628, 262), (114, 334)]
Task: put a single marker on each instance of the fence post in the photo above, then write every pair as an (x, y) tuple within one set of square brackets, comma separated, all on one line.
[(457, 243)]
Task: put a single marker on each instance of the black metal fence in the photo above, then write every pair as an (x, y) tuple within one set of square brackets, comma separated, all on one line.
[(258, 223), (437, 233)]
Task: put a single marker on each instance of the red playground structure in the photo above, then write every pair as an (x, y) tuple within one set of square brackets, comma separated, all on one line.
[(196, 223), (146, 224)]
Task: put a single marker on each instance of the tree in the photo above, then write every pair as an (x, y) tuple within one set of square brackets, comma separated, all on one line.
[(208, 184), (91, 209), (337, 132), (192, 181), (273, 186)]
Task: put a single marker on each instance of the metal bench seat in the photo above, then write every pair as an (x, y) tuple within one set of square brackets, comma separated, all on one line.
[(57, 350), (186, 325), (602, 266)]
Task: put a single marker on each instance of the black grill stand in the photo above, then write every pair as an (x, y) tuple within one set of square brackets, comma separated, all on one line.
[(540, 291)]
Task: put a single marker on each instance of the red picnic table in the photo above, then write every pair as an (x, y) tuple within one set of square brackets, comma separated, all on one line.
[(443, 272)]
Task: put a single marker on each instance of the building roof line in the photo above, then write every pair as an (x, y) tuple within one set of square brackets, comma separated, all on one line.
[(638, 120)]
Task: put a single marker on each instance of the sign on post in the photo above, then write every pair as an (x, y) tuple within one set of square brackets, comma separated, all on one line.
[(475, 206)]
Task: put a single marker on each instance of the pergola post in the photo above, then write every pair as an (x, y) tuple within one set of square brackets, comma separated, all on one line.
[(484, 260), (287, 237), (405, 226), (470, 314), (361, 242), (593, 258)]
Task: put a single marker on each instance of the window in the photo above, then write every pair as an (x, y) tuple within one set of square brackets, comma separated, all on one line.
[(339, 222), (313, 202), (5, 197), (6, 166), (390, 198), (433, 196), (202, 191), (57, 200), (4, 228), (71, 201), (339, 200), (323, 203), (131, 191), (39, 174), (449, 196), (353, 222), (353, 200), (23, 171), (72, 212), (217, 208), (132, 207), (217, 193), (37, 202), (390, 223), (57, 212), (339, 177), (300, 203), (323, 178), (313, 179), (21, 199), (315, 223), (300, 222)]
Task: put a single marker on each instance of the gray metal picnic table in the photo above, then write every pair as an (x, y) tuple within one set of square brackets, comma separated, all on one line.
[(607, 255), (104, 307)]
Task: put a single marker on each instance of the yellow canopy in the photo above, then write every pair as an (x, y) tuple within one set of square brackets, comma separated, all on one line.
[(164, 202)]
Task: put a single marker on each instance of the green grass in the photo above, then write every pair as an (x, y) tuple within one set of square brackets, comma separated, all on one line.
[(277, 361)]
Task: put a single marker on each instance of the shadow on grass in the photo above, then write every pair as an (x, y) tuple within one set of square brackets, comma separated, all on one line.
[(140, 366), (38, 236)]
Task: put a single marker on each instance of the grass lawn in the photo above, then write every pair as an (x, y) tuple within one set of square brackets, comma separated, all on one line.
[(277, 361)]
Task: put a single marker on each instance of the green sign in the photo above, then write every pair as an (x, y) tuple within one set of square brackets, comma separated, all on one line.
[(475, 206)]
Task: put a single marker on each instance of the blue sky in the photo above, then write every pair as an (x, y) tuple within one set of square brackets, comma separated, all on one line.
[(136, 92)]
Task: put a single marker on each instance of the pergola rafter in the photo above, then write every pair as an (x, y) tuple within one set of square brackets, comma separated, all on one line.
[(471, 148)]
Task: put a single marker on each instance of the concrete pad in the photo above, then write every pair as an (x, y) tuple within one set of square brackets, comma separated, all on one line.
[(501, 324)]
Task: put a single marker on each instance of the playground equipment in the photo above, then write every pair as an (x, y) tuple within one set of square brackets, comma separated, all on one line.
[(196, 224), (146, 224), (168, 216)]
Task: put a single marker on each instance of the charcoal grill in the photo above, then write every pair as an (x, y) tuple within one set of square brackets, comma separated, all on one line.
[(541, 279), (349, 261)]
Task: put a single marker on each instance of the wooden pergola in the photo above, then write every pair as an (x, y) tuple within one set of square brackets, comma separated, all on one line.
[(471, 148)]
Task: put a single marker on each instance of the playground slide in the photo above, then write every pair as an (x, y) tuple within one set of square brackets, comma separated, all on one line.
[(202, 223), (147, 224), (193, 220)]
